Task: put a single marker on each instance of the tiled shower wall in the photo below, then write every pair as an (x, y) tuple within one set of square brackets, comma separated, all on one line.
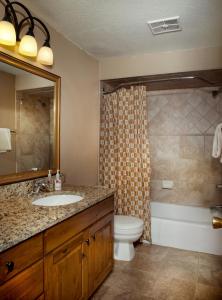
[(181, 128)]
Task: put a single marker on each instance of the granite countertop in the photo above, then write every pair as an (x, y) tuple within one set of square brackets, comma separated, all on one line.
[(20, 219)]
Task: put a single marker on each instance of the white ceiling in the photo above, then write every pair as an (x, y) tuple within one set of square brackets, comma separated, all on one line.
[(106, 28)]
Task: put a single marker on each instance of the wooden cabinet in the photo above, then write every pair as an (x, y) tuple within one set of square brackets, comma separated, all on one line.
[(66, 262), (27, 285), (75, 269), (21, 270), (20, 257), (60, 233), (100, 251), (66, 274)]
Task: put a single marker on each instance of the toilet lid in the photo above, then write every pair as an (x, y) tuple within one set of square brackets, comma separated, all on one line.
[(127, 222)]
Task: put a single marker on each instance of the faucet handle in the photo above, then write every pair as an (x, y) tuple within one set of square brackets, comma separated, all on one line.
[(40, 185)]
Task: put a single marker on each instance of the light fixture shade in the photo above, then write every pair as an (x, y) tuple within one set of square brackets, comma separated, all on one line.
[(45, 56), (7, 33), (28, 46)]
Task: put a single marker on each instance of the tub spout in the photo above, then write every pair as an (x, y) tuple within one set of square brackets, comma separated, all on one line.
[(217, 223)]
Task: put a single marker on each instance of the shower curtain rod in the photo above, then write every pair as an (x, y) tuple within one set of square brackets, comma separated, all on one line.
[(156, 80)]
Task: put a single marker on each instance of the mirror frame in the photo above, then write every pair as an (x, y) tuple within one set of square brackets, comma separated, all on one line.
[(28, 175)]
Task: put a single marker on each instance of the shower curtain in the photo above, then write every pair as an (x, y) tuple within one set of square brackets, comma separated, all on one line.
[(124, 153)]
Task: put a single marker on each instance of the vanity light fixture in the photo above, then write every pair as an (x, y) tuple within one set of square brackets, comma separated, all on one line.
[(45, 55), (10, 30), (28, 46), (7, 33)]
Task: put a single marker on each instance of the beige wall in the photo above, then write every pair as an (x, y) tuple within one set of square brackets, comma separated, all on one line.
[(181, 128), (7, 120), (30, 81), (160, 63), (79, 109)]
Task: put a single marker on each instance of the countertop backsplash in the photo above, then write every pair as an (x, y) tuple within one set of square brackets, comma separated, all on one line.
[(18, 189)]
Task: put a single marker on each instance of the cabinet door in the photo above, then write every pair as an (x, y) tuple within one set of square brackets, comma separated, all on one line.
[(100, 251), (66, 274)]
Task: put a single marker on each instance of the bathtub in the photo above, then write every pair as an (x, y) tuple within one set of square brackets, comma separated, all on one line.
[(185, 227)]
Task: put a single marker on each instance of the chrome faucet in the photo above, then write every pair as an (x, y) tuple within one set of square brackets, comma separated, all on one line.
[(40, 186)]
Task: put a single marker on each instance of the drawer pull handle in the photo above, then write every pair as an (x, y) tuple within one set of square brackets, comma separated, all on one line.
[(87, 242), (10, 266), (94, 237)]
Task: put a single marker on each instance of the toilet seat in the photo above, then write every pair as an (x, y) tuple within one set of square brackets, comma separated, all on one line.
[(127, 224), (130, 232)]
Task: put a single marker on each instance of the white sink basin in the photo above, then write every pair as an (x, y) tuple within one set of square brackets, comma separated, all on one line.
[(57, 200)]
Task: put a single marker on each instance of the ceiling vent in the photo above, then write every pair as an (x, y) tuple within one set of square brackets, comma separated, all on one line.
[(165, 25)]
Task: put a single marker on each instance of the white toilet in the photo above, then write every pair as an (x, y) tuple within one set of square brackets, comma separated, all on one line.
[(127, 230)]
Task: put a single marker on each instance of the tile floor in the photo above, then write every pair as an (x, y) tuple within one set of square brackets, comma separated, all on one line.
[(165, 274)]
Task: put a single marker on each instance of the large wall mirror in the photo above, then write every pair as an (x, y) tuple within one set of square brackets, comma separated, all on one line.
[(29, 120)]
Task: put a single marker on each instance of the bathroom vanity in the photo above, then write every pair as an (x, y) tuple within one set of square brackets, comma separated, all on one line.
[(67, 260), (59, 252)]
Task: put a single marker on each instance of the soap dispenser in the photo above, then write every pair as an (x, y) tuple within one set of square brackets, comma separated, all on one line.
[(50, 181), (58, 181)]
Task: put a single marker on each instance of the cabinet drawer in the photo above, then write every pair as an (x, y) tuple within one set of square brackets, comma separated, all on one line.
[(21, 256), (26, 285), (105, 207), (57, 235)]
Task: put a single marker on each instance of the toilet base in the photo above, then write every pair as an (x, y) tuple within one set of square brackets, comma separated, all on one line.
[(123, 251)]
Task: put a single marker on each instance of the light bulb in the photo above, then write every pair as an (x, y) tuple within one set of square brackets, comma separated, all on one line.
[(28, 46), (7, 33), (45, 56)]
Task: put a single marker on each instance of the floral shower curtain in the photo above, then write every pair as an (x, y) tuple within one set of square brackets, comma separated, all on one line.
[(124, 152)]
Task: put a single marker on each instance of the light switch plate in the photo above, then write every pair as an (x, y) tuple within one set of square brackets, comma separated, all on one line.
[(167, 184)]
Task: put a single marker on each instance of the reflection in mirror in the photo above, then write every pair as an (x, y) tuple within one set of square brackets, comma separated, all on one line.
[(27, 121)]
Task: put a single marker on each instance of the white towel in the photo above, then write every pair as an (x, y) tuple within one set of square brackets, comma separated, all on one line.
[(5, 140), (217, 142)]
